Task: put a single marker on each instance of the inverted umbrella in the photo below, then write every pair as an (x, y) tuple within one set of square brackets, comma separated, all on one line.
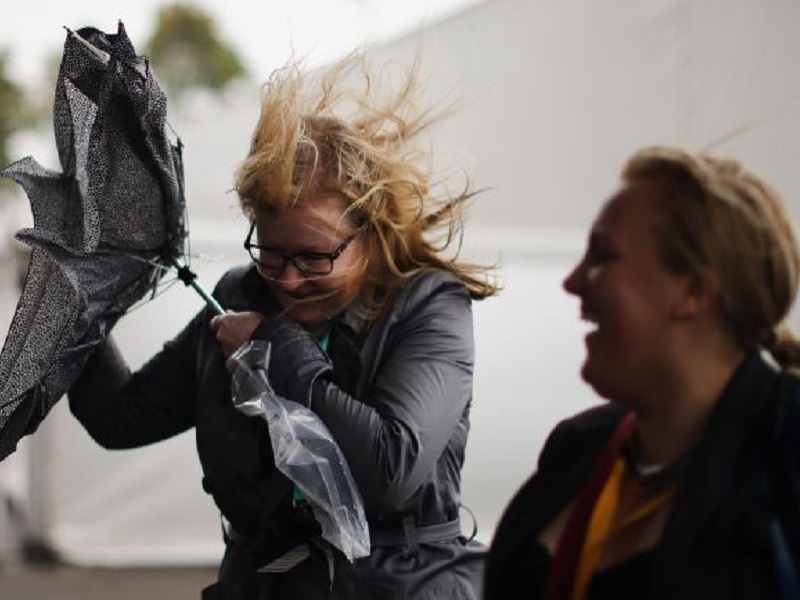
[(105, 230)]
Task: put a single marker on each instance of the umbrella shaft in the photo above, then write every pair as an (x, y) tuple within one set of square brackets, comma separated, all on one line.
[(189, 278), (210, 300)]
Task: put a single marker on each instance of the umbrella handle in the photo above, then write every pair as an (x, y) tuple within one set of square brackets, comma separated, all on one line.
[(189, 278)]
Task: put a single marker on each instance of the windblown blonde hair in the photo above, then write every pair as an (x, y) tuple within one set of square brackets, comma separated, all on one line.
[(723, 218), (330, 133)]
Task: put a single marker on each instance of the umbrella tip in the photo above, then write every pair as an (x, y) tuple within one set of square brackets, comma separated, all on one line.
[(100, 54)]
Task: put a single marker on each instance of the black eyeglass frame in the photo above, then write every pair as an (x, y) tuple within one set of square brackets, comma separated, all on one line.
[(330, 256)]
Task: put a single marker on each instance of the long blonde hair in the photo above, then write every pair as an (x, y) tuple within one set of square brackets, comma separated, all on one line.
[(317, 134)]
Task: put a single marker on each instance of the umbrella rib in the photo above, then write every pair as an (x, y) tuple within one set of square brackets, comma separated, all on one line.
[(187, 276)]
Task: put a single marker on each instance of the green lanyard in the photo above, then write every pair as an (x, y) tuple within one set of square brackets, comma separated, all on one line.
[(325, 339)]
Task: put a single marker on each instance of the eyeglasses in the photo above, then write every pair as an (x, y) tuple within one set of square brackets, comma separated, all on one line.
[(274, 262)]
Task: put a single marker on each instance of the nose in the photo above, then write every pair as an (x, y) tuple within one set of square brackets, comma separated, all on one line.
[(574, 282), (290, 277)]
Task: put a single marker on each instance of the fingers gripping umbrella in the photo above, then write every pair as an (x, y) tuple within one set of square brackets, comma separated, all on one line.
[(105, 230)]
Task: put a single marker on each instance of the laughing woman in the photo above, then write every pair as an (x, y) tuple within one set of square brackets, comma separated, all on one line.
[(680, 486), (370, 325)]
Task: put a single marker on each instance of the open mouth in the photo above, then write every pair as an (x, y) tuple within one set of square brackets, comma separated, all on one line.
[(590, 320)]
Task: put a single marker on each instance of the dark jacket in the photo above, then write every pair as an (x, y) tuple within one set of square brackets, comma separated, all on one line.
[(716, 542), (398, 407)]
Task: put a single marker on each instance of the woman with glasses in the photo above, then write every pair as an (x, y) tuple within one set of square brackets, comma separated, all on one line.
[(367, 309)]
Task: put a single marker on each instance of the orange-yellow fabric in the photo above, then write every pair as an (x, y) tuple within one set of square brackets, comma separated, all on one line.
[(564, 566), (600, 525)]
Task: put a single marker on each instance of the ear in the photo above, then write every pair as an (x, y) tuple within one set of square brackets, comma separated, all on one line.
[(699, 295)]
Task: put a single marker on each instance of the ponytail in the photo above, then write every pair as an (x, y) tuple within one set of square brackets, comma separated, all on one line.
[(784, 348)]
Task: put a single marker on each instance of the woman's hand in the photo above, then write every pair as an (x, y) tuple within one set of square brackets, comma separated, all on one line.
[(233, 329)]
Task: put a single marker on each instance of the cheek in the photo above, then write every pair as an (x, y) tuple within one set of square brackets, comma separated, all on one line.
[(349, 286), (336, 292), (347, 277), (628, 318)]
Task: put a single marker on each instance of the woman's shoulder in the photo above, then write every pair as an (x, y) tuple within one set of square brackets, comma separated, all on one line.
[(581, 433), (431, 282), (429, 297), (233, 278), (597, 418), (241, 288)]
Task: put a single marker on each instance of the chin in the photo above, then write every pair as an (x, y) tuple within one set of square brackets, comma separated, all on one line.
[(593, 376), (303, 315), (586, 369)]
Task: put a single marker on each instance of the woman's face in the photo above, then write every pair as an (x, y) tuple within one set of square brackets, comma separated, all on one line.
[(629, 296), (309, 232)]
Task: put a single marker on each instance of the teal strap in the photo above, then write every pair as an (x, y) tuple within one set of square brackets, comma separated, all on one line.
[(325, 339)]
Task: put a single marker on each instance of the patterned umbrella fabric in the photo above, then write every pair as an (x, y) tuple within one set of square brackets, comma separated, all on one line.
[(105, 230)]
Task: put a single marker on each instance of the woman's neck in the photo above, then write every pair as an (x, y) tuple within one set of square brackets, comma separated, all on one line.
[(670, 426)]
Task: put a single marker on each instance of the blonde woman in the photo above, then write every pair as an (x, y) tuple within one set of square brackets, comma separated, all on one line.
[(681, 485), (353, 280)]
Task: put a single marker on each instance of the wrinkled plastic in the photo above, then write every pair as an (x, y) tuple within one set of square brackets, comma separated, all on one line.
[(304, 451)]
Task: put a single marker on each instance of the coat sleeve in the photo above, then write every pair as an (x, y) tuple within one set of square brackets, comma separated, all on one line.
[(121, 409), (396, 432)]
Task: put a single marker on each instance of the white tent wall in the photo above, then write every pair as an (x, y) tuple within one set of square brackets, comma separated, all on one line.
[(555, 95)]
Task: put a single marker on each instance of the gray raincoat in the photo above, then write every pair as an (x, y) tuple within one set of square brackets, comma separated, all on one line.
[(397, 406)]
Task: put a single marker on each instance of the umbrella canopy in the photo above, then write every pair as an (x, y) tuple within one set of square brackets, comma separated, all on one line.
[(105, 229)]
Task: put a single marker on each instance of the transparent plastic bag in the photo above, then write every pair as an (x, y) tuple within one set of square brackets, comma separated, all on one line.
[(304, 451)]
